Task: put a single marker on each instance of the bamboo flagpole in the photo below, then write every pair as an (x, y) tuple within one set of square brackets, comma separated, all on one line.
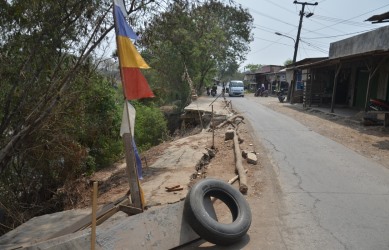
[(135, 86)]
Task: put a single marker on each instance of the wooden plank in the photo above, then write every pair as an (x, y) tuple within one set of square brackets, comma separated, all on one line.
[(86, 221), (129, 210)]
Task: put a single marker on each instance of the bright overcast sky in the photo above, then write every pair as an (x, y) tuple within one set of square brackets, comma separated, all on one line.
[(333, 20)]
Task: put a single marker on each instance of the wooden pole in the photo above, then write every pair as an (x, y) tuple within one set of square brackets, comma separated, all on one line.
[(213, 130), (94, 209), (232, 180), (239, 167), (136, 195), (132, 171), (335, 86), (372, 71)]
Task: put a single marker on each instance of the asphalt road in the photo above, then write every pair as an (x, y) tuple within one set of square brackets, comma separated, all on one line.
[(329, 196)]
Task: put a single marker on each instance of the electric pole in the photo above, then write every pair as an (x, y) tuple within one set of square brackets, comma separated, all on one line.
[(296, 45)]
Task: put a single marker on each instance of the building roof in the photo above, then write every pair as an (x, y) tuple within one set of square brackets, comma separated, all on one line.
[(333, 61), (381, 18), (306, 61)]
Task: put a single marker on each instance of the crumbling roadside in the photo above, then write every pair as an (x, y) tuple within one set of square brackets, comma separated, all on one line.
[(176, 165)]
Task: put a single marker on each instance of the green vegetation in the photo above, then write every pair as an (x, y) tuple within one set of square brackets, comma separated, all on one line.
[(150, 126), (253, 67), (60, 115), (288, 62), (205, 40)]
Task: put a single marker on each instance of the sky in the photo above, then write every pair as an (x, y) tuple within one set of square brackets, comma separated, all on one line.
[(332, 20)]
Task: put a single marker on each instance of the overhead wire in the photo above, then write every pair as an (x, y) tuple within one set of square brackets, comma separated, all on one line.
[(268, 16), (315, 47), (353, 17), (269, 45), (343, 21), (319, 46), (347, 34), (282, 7)]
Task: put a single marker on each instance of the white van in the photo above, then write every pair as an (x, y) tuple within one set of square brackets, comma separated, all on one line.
[(236, 88)]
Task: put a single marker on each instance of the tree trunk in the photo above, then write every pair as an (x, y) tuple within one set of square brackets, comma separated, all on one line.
[(239, 167)]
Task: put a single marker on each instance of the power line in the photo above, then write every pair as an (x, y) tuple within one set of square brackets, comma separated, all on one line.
[(263, 39), (315, 47), (266, 29), (268, 16), (354, 17), (282, 7), (363, 31), (343, 21)]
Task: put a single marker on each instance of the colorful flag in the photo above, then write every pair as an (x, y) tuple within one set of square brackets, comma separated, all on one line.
[(135, 85)]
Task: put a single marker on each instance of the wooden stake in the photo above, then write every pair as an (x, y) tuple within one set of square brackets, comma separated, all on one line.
[(94, 209), (213, 130)]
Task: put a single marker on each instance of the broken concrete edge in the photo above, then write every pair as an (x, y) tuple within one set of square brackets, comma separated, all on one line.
[(151, 229)]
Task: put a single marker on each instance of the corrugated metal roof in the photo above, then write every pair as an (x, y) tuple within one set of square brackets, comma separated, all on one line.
[(333, 61)]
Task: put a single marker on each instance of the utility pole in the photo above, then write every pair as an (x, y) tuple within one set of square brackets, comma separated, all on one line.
[(296, 45)]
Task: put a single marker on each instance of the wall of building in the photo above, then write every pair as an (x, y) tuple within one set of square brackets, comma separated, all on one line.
[(366, 42)]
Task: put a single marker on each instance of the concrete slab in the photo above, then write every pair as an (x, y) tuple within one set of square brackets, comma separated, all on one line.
[(162, 228), (38, 228), (205, 104), (175, 167)]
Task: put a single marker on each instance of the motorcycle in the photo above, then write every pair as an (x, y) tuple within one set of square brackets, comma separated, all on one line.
[(281, 95), (378, 105), (262, 92), (213, 92), (208, 92)]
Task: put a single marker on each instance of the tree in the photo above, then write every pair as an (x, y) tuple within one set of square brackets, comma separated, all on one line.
[(59, 117), (288, 62), (253, 67), (43, 47), (204, 39)]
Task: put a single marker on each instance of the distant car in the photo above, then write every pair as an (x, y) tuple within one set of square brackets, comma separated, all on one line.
[(236, 88)]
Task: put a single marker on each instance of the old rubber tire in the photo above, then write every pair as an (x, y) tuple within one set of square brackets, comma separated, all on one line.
[(202, 221)]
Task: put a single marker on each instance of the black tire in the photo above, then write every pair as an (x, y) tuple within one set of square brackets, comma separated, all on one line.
[(203, 220)]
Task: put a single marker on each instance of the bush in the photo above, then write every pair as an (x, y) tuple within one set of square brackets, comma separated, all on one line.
[(150, 126)]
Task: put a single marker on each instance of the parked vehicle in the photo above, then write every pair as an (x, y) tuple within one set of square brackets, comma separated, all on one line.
[(236, 88), (262, 92), (281, 95), (378, 104), (214, 90)]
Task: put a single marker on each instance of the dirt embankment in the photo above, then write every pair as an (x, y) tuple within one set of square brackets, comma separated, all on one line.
[(370, 141)]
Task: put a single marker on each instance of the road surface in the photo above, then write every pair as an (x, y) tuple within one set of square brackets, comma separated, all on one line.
[(329, 197)]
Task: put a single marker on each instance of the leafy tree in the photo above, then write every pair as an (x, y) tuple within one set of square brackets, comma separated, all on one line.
[(253, 67), (288, 62), (80, 136), (59, 118), (203, 39), (43, 47)]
